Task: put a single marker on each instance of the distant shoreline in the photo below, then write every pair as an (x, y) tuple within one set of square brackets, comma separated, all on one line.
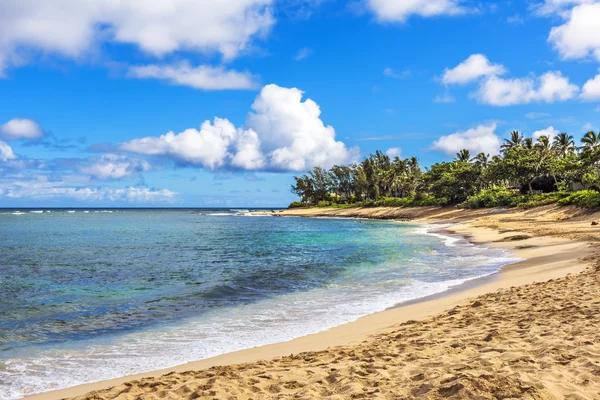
[(544, 258)]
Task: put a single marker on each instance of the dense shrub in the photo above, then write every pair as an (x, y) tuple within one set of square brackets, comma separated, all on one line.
[(497, 197), (537, 200), (583, 198), (420, 201), (298, 204)]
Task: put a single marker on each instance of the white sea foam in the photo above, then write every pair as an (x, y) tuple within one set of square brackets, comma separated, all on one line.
[(37, 212), (433, 230)]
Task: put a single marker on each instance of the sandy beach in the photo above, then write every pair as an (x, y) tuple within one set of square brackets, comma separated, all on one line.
[(531, 331)]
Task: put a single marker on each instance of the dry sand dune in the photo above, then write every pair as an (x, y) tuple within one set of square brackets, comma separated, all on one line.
[(536, 341)]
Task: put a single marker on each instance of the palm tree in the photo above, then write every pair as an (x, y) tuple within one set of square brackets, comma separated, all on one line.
[(482, 160), (564, 143), (544, 144), (463, 156), (590, 141), (528, 143), (516, 140)]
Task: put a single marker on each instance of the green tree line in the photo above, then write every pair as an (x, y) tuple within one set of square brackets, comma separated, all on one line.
[(548, 168)]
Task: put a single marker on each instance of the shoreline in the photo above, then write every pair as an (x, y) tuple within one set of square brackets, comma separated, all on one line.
[(543, 259)]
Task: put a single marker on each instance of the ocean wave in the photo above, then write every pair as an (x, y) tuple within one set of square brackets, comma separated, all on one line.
[(448, 240)]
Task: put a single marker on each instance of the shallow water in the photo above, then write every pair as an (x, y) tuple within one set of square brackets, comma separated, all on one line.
[(94, 295)]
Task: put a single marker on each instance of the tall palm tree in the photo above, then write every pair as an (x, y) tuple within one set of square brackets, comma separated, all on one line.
[(482, 160), (516, 140), (591, 141), (564, 144), (463, 156), (544, 144), (545, 151)]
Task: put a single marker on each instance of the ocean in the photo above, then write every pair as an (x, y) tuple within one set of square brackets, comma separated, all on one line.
[(88, 295)]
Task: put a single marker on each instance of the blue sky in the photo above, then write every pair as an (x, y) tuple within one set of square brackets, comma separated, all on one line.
[(113, 103)]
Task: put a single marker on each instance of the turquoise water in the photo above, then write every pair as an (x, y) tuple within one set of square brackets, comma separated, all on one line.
[(92, 295)]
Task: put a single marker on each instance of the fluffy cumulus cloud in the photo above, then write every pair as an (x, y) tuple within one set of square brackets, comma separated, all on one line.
[(207, 147), (549, 88), (577, 37), (6, 152), (393, 152), (482, 139), (292, 133), (157, 28), (113, 166), (550, 131), (473, 68), (498, 91), (282, 133), (20, 129), (591, 89), (400, 11), (200, 77)]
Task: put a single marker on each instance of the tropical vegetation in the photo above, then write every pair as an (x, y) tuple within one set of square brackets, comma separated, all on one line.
[(524, 174)]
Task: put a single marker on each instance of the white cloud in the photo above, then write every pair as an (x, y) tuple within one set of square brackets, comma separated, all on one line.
[(400, 11), (201, 77), (248, 154), (393, 152), (482, 139), (473, 68), (578, 37), (282, 133), (537, 115), (207, 147), (515, 20), (292, 133), (550, 131), (73, 28), (549, 88), (591, 89), (21, 128), (588, 127), (558, 7), (444, 99), (113, 166), (390, 73), (6, 152), (42, 188), (302, 53)]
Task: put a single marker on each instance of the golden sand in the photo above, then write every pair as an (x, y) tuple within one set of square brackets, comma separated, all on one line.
[(533, 332)]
